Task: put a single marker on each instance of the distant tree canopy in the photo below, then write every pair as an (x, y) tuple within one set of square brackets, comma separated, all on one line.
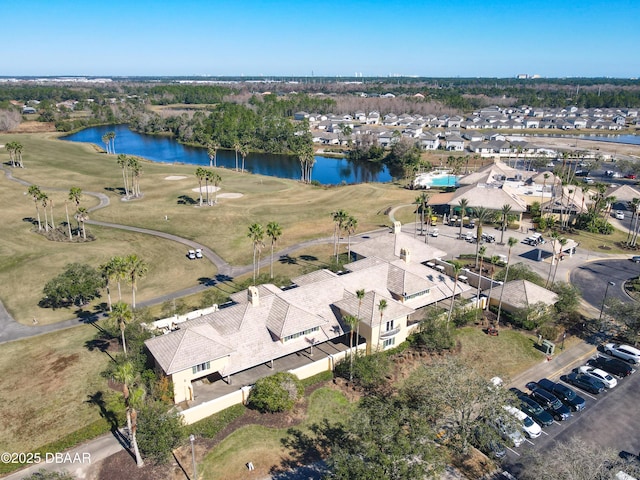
[(76, 286)]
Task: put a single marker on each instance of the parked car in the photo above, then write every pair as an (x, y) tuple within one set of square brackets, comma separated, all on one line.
[(508, 431), (191, 254), (619, 214), (533, 409), (631, 176), (585, 382), (612, 365), (565, 394), (635, 259), (550, 403), (435, 232), (198, 253), (484, 439), (531, 428), (625, 352), (589, 180), (599, 374), (488, 238)]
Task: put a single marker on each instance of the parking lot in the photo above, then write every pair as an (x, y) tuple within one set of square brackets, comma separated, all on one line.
[(609, 420)]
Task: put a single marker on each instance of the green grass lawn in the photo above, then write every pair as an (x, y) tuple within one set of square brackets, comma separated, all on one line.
[(504, 356), (263, 446), (27, 260), (46, 382)]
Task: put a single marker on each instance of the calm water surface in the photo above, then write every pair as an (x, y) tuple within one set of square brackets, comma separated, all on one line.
[(327, 171)]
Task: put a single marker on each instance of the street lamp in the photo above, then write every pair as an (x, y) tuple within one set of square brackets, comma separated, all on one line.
[(192, 438), (603, 300)]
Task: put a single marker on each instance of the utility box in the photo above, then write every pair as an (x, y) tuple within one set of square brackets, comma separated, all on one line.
[(548, 347)]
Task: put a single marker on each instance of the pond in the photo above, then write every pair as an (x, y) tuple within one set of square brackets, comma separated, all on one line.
[(327, 171)]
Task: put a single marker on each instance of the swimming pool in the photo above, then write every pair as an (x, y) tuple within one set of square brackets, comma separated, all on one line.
[(435, 179)]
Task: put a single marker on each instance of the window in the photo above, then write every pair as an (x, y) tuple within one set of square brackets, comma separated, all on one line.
[(389, 326), (300, 334), (389, 342), (199, 368)]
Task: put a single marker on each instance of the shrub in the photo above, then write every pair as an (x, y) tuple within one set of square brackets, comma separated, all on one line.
[(159, 431), (277, 393), (369, 371), (434, 336), (549, 331), (209, 427)]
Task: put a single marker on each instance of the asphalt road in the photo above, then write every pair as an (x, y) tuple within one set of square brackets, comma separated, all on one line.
[(609, 420), (592, 279)]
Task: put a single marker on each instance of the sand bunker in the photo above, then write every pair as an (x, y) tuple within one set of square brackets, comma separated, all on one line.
[(209, 188), (230, 195), (175, 177)]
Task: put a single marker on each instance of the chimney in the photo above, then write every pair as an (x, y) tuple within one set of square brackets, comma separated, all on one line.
[(405, 255), (253, 296)]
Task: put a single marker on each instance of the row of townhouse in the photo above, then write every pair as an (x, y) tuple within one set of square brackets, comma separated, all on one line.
[(493, 118)]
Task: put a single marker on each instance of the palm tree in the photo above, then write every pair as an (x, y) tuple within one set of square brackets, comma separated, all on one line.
[(44, 199), (18, 154), (555, 236), (429, 214), (236, 147), (136, 170), (511, 242), (504, 213), (120, 270), (123, 162), (482, 252), (35, 193), (544, 185), (109, 271), (418, 202), (634, 203), (81, 216), (563, 242), (75, 194), (215, 180), (382, 306), (463, 203), (424, 198), (360, 295), (456, 271), (112, 137), (256, 234), (339, 217), (352, 322), (125, 374), (212, 152), (350, 226), (201, 173), (107, 142), (136, 269), (274, 232), (244, 151), (482, 215), (121, 315)]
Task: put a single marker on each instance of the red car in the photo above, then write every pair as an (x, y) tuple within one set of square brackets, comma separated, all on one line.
[(631, 176)]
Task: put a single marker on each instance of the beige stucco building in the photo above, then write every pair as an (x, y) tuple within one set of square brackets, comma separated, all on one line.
[(266, 322)]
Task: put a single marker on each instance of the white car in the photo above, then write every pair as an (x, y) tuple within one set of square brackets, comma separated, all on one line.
[(198, 253), (619, 214), (625, 352), (435, 232), (601, 375), (531, 428), (191, 254)]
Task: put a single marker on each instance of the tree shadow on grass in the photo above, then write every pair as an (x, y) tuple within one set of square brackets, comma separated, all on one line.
[(307, 448), (288, 260), (117, 190), (98, 400), (209, 282), (186, 200)]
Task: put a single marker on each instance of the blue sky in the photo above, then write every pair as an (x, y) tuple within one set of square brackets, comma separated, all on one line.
[(468, 38)]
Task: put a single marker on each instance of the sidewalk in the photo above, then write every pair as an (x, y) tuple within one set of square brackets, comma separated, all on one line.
[(560, 364)]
